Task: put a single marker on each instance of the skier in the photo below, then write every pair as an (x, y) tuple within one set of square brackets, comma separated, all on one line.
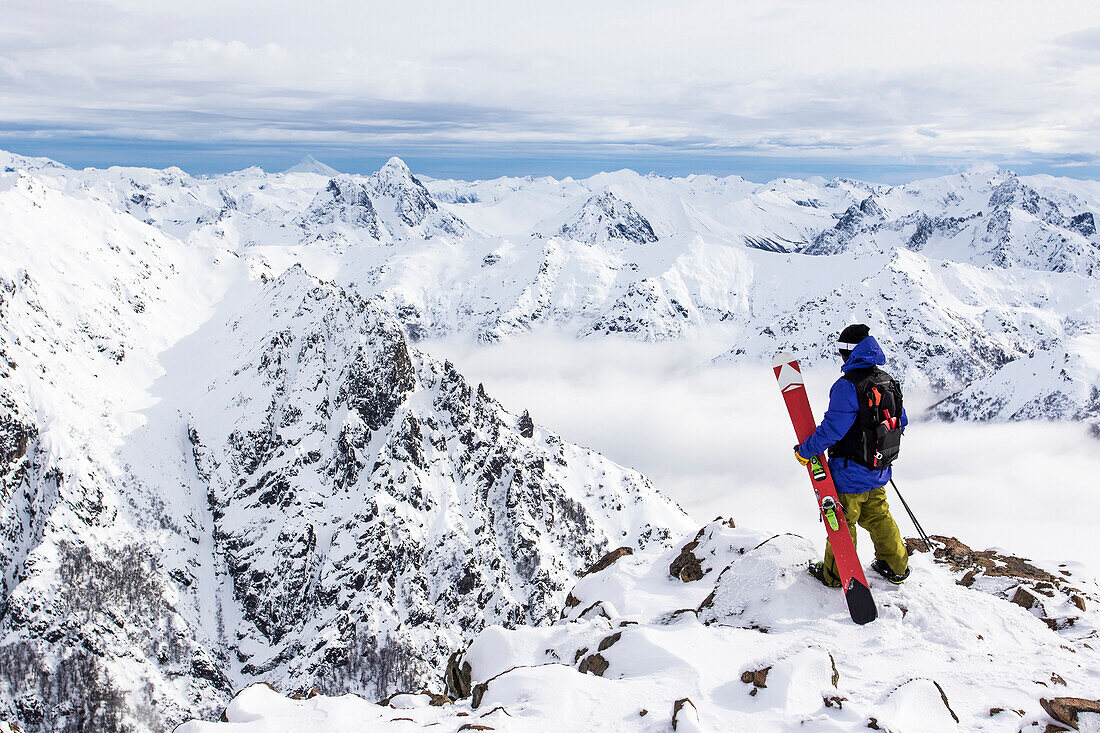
[(858, 459)]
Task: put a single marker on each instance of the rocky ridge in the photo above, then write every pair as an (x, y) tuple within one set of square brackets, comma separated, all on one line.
[(745, 638)]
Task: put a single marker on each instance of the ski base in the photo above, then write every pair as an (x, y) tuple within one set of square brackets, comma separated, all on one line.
[(861, 606)]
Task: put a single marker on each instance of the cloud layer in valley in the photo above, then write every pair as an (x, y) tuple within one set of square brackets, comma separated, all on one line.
[(718, 441), (928, 84)]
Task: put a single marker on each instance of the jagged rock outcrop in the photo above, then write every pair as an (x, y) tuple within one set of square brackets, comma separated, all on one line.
[(446, 510), (390, 204), (344, 200), (607, 218), (1052, 595)]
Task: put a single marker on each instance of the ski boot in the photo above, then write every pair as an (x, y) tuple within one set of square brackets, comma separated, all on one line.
[(817, 570), (884, 570)]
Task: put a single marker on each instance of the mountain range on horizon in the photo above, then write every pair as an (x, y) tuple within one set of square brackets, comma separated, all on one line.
[(227, 453)]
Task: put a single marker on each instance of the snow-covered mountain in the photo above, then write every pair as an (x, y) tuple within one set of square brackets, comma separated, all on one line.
[(959, 276), (213, 476), (728, 632), (226, 454), (309, 164)]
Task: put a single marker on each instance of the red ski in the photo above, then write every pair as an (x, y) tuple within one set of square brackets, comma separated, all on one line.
[(860, 604)]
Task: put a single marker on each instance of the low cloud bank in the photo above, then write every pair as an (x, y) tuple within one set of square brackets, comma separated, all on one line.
[(718, 441)]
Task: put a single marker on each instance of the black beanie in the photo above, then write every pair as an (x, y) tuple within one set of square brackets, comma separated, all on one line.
[(851, 336)]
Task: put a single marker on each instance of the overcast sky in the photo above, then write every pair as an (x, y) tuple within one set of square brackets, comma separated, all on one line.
[(882, 90)]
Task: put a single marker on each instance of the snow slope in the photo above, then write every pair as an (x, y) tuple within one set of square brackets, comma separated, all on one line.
[(730, 633)]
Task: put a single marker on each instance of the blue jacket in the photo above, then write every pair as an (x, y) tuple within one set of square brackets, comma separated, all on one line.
[(849, 476)]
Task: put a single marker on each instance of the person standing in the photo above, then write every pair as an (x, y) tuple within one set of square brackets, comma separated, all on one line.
[(861, 431)]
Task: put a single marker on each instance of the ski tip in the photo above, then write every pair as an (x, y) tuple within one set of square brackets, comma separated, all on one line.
[(861, 605), (783, 357), (787, 371)]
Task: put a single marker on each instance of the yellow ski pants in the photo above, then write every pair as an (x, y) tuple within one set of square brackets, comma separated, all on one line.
[(870, 511)]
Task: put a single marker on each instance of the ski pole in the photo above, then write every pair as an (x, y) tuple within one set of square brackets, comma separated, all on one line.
[(920, 529)]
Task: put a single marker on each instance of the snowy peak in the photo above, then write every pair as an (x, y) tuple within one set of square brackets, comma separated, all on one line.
[(10, 162), (406, 197), (310, 502), (309, 164), (606, 218), (390, 204), (344, 203), (984, 217)]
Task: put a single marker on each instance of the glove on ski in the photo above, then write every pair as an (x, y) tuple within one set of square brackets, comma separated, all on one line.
[(799, 457)]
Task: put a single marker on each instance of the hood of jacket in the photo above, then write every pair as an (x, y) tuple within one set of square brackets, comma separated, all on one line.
[(867, 353)]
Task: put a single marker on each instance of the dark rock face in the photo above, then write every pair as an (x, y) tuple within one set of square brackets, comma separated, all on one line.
[(593, 664), (526, 425), (375, 495), (605, 217), (607, 560), (345, 200), (1084, 224), (25, 499), (1066, 709), (686, 566)]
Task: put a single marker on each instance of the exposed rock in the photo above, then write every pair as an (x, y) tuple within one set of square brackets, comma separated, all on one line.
[(686, 566), (1024, 598), (594, 663), (609, 641), (946, 704), (1066, 709), (607, 560), (756, 677), (1013, 578), (457, 677), (526, 425), (1084, 224), (683, 709)]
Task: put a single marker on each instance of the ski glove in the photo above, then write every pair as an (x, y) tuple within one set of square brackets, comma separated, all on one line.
[(799, 458)]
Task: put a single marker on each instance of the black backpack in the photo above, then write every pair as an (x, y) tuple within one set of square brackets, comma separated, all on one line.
[(874, 440)]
